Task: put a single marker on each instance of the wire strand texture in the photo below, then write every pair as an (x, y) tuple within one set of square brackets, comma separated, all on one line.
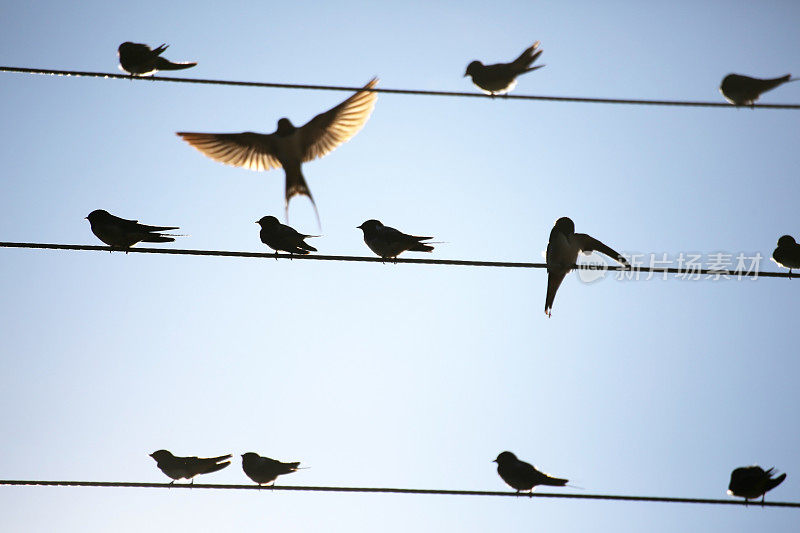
[(723, 273), (389, 490), (628, 101)]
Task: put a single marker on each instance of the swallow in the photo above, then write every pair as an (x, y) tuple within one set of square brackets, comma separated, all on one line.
[(787, 254), (263, 469), (121, 233), (388, 242), (289, 146), (750, 482), (744, 90), (188, 467), (562, 252), (523, 476), (140, 60), (282, 237), (500, 78)]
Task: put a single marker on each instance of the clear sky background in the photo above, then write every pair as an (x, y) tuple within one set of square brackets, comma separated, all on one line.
[(398, 375)]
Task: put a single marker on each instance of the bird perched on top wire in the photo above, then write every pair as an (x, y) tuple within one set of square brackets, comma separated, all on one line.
[(787, 254), (388, 242), (121, 233), (744, 90), (281, 237), (140, 60), (500, 78), (562, 252), (750, 482), (523, 476), (188, 467), (264, 470), (289, 146)]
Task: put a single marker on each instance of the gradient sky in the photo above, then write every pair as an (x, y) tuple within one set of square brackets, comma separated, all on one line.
[(398, 375)]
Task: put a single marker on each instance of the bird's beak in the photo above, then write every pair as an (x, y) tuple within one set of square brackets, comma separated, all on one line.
[(494, 461), (465, 74)]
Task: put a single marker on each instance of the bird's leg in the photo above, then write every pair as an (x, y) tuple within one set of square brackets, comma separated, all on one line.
[(276, 255)]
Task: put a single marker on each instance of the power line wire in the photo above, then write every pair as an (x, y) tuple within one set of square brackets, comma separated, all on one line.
[(673, 103), (388, 490), (688, 271)]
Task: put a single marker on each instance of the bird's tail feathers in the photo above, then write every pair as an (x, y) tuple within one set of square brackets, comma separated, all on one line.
[(772, 483), (555, 482), (213, 467), (527, 58), (421, 248), (160, 49), (533, 68), (158, 238), (296, 184), (165, 64)]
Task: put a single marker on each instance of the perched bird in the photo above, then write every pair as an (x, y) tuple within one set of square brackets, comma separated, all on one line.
[(500, 78), (744, 90), (562, 252), (750, 482), (389, 243), (140, 60), (282, 237), (787, 254), (289, 146), (121, 233), (188, 467), (523, 476), (263, 469)]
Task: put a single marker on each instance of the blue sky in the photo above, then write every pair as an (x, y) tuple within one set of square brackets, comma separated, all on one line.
[(398, 375)]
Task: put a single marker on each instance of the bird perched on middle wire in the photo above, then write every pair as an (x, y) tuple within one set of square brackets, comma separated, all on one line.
[(388, 242), (122, 233), (500, 78), (523, 476), (787, 254), (562, 252), (744, 90), (188, 467), (264, 470), (750, 482), (289, 146), (140, 60), (281, 237)]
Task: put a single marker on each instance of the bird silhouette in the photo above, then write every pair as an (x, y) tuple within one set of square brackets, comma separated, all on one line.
[(388, 242), (787, 254), (140, 60), (265, 470), (500, 78), (744, 90), (281, 237), (121, 233), (523, 476), (562, 252), (289, 146), (750, 482), (188, 467)]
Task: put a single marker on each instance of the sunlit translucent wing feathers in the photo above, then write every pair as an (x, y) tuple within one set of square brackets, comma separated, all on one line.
[(247, 150), (326, 131)]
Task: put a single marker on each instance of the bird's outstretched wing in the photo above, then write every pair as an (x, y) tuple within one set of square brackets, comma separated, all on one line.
[(247, 150), (328, 130), (588, 244)]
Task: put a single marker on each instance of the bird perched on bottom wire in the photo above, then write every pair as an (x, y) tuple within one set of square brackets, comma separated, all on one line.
[(289, 146), (744, 90), (188, 467), (281, 237), (787, 254), (140, 60), (388, 242), (562, 252), (750, 482), (500, 78), (264, 470), (523, 476), (122, 233)]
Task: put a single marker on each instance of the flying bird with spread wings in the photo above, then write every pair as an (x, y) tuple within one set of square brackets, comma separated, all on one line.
[(289, 146)]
